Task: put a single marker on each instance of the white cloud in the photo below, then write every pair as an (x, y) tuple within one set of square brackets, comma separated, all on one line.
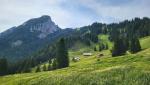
[(134, 8), (71, 13)]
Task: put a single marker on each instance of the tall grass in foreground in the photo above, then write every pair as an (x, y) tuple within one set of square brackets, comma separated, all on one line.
[(113, 76)]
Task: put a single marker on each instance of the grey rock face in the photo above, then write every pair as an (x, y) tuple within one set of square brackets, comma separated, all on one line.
[(44, 28)]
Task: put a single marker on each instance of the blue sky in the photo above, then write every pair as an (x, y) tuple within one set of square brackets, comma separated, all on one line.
[(71, 13)]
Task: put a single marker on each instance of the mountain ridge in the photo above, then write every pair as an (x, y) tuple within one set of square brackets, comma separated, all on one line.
[(28, 37)]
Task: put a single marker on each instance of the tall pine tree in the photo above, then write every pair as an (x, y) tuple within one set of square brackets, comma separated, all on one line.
[(3, 66), (135, 45), (119, 47), (38, 69), (62, 54), (44, 68), (54, 64)]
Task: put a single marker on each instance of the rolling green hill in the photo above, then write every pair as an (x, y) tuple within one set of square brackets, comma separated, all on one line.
[(131, 69), (145, 42)]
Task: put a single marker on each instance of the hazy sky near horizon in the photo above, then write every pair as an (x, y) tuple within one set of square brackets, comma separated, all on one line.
[(71, 13)]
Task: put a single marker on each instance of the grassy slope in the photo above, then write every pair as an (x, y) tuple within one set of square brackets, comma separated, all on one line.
[(145, 42), (132, 69)]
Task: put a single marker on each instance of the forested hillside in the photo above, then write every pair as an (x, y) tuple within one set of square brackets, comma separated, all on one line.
[(124, 35)]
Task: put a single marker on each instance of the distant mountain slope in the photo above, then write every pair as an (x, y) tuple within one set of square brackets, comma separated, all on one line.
[(29, 37), (42, 25)]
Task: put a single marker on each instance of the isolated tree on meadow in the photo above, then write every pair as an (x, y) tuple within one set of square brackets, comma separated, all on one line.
[(106, 46), (44, 68), (119, 47), (49, 67), (135, 45), (38, 69), (103, 46), (95, 49), (100, 47), (54, 64), (50, 61), (62, 54)]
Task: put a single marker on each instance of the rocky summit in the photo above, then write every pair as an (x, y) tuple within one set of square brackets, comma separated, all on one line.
[(28, 37)]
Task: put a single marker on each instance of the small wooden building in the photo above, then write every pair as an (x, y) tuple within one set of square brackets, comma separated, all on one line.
[(75, 59), (87, 54)]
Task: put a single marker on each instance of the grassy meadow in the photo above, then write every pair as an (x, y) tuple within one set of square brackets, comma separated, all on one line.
[(130, 69)]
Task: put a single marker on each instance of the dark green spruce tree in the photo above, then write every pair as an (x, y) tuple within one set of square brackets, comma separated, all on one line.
[(119, 47), (95, 49), (44, 68), (38, 69), (62, 54), (100, 48), (3, 66), (49, 67), (54, 64), (135, 45)]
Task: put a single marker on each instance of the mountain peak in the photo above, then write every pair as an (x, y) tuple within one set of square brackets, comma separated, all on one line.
[(45, 17), (41, 19), (43, 24), (28, 37)]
